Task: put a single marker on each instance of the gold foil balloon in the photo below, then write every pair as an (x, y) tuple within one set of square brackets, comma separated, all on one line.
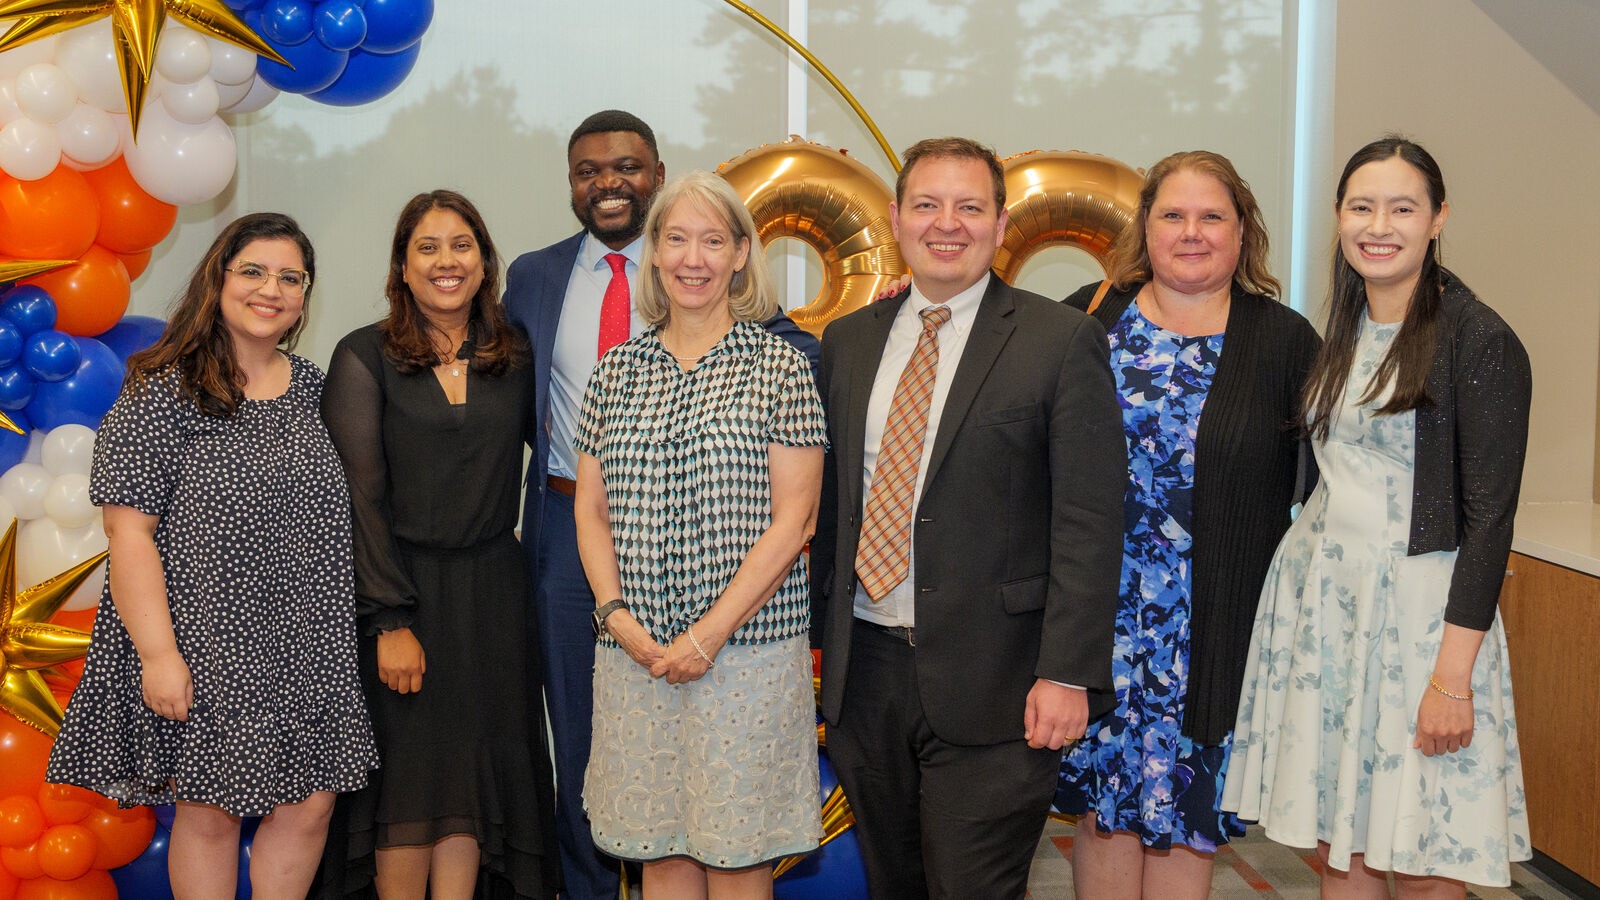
[(29, 642), (1059, 197), (832, 203)]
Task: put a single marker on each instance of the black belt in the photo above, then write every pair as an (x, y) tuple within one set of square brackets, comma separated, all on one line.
[(906, 634)]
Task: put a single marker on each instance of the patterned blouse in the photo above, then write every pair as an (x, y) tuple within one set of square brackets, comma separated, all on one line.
[(684, 458)]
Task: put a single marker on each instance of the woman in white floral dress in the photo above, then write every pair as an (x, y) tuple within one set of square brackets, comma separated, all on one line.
[(1376, 720)]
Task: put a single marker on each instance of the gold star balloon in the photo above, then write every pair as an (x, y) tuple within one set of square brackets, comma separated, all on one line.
[(136, 27), (29, 643)]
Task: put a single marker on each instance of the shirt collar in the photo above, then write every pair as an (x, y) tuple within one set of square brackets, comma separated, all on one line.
[(592, 253), (963, 306)]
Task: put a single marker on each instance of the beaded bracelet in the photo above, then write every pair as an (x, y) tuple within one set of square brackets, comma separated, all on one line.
[(1431, 680), (701, 650)]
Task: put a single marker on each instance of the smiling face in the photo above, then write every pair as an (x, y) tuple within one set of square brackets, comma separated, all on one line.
[(613, 175), (696, 256), (1193, 234), (261, 313), (948, 224), (444, 267), (1386, 223)]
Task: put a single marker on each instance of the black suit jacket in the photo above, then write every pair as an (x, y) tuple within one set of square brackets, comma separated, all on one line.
[(1018, 532)]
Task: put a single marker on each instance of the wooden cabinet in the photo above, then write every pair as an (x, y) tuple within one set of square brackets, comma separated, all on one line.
[(1552, 621)]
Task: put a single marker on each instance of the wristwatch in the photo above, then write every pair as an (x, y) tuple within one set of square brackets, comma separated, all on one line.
[(598, 617)]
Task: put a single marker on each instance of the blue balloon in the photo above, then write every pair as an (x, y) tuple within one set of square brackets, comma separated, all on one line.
[(13, 446), (315, 67), (341, 25), (286, 22), (368, 77), (394, 25), (146, 876), (10, 342), (29, 307), (165, 814), (132, 334), (831, 872), (51, 355), (84, 397), (16, 388)]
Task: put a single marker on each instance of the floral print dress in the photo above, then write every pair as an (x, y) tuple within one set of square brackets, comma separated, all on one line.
[(1344, 640), (1134, 769)]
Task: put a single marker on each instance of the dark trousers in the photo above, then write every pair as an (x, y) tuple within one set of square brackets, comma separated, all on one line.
[(934, 820), (563, 606)]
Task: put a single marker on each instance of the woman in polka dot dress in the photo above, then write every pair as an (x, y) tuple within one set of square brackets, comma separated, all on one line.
[(222, 671)]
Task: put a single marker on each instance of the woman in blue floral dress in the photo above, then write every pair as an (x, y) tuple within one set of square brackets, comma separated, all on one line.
[(1209, 370)]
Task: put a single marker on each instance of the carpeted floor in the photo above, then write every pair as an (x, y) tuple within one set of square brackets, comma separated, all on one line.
[(1253, 869)]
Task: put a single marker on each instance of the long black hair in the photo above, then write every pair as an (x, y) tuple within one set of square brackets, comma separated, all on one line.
[(1409, 358)]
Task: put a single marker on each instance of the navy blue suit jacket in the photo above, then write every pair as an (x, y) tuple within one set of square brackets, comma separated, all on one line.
[(536, 287)]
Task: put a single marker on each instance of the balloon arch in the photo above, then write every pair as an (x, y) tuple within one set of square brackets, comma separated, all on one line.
[(86, 193)]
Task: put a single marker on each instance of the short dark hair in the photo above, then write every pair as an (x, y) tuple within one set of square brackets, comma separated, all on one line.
[(608, 120), (951, 148)]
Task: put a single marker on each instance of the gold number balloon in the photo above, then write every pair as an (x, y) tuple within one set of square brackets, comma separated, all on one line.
[(1059, 197), (834, 204), (840, 208)]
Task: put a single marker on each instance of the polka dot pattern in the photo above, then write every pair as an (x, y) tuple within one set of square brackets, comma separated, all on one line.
[(255, 542)]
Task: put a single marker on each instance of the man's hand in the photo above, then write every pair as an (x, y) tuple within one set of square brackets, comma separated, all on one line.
[(1056, 715)]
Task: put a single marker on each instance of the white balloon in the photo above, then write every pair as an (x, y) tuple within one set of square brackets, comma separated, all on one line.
[(9, 109), (259, 95), (66, 501), (23, 486), (18, 58), (184, 55), (45, 549), (45, 93), (88, 137), (180, 163), (89, 56), (194, 103), (8, 514), (35, 452), (230, 63), (68, 450), (229, 94), (29, 150)]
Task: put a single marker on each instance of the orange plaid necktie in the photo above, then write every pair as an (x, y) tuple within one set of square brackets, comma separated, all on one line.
[(884, 557)]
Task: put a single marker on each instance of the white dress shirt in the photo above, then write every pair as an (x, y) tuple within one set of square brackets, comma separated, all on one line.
[(578, 340), (899, 607)]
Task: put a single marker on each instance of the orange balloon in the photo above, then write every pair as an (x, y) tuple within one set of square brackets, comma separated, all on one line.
[(64, 803), (22, 862), (8, 884), (67, 852), (123, 834), (21, 822), (23, 753), (96, 884), (55, 217), (90, 296), (130, 219), (135, 263)]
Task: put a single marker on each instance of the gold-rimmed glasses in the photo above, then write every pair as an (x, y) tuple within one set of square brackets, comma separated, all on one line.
[(290, 281)]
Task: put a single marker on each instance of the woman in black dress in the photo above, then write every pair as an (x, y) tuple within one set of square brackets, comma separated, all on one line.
[(222, 672), (428, 409)]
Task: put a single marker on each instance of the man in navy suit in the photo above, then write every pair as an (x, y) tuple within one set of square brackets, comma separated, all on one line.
[(556, 294)]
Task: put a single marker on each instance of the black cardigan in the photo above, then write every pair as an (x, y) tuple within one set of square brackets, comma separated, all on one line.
[(1472, 437), (1248, 454)]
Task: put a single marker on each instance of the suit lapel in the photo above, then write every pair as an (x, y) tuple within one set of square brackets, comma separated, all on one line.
[(863, 362), (990, 330)]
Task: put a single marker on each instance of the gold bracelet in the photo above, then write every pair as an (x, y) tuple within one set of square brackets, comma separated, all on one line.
[(1440, 688), (698, 649)]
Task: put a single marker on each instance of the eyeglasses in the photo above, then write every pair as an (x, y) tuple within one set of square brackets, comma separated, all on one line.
[(291, 281)]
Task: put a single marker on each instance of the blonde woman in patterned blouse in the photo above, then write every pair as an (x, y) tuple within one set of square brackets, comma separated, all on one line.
[(700, 462)]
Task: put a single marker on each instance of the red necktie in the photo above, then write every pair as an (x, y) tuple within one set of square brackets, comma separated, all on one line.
[(616, 309), (883, 559)]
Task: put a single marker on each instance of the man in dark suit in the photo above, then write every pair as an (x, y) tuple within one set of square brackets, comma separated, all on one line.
[(558, 296), (965, 568)]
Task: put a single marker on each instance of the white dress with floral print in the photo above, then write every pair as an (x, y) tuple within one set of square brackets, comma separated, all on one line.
[(1345, 638)]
